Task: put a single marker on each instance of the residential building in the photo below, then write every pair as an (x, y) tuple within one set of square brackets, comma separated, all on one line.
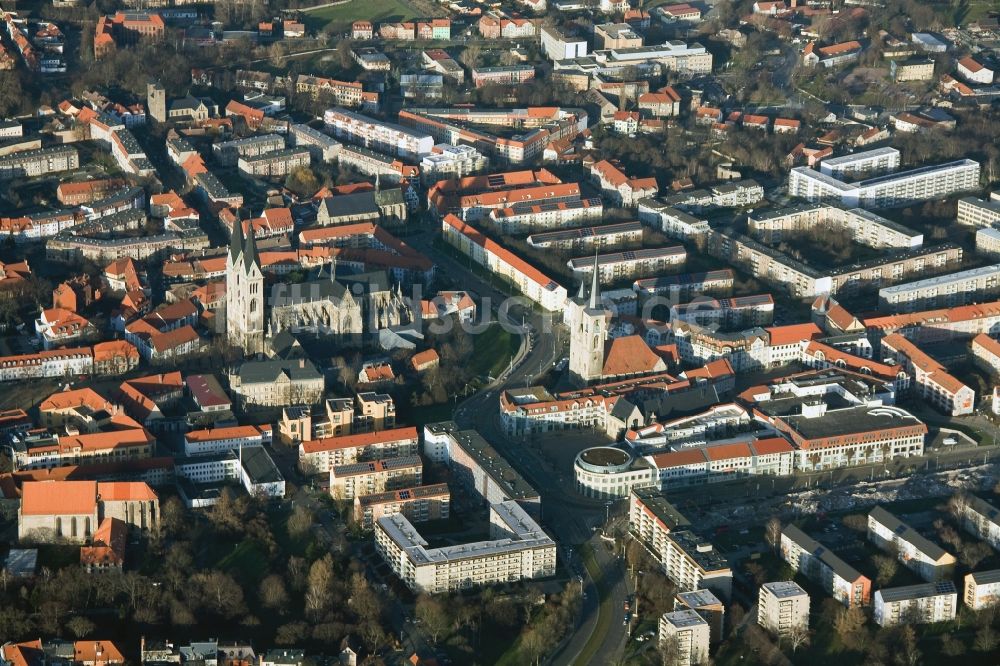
[(979, 518), (322, 455), (351, 480), (448, 161), (902, 188), (824, 568), (59, 450), (614, 267), (916, 604), (687, 560), (616, 36), (690, 634), (974, 71), (933, 381), (911, 69), (528, 280), (377, 135), (708, 606), (943, 291), (587, 238), (511, 75), (927, 559), (833, 55), (783, 608), (986, 353), (321, 147), (275, 164), (618, 188), (38, 162), (982, 589), (418, 504), (518, 549), (978, 212), (220, 440), (228, 153), (477, 466)]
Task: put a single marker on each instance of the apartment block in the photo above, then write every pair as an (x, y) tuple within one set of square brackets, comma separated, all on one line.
[(558, 45), (618, 188), (518, 549), (322, 455), (351, 480), (783, 607), (739, 312), (478, 466), (617, 266), (986, 353), (690, 634), (865, 163), (902, 188), (824, 568), (419, 504), (916, 552), (511, 75), (389, 170), (982, 589), (933, 381), (587, 238), (228, 153), (916, 604), (39, 162), (944, 291), (322, 147), (978, 212), (448, 161), (865, 227), (708, 606), (687, 285), (274, 164), (377, 135), (671, 221), (488, 253), (687, 560), (221, 440), (980, 518), (349, 94)]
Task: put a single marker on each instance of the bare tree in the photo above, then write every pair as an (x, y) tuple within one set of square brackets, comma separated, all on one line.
[(318, 593), (273, 593), (797, 637), (434, 615), (772, 532)]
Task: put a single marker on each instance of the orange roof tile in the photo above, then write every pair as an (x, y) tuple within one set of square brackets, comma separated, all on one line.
[(792, 334), (125, 491), (45, 498), (358, 440), (630, 355)]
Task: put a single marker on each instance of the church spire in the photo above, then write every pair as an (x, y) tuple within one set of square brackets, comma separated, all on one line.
[(595, 284), (236, 241), (250, 257)]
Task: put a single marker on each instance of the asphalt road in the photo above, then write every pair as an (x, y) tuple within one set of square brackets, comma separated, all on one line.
[(571, 519)]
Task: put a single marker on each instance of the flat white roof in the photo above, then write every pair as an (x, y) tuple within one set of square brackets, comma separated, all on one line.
[(971, 274)]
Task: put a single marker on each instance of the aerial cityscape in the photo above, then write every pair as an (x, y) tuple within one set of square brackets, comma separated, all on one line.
[(499, 332)]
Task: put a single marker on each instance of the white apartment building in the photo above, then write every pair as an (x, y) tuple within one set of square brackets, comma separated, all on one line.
[(671, 221), (274, 164), (321, 455), (921, 555), (822, 566), (618, 234), (986, 353), (982, 589), (981, 519), (518, 549), (526, 217), (942, 291), (351, 480), (487, 253), (477, 466), (691, 633), (687, 560), (974, 71), (988, 242), (978, 212), (448, 161), (706, 604), (378, 135), (616, 266), (220, 440), (866, 227), (916, 604), (28, 163), (866, 163), (782, 607), (924, 183), (228, 153)]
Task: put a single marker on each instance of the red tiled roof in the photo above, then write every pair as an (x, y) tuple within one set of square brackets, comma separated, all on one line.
[(358, 440), (45, 498)]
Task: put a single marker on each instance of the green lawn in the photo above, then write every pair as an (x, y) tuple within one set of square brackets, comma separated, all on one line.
[(493, 349), (341, 16), (246, 562)]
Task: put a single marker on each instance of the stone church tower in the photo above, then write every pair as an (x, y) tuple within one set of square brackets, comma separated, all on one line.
[(156, 102), (244, 293), (588, 324)]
